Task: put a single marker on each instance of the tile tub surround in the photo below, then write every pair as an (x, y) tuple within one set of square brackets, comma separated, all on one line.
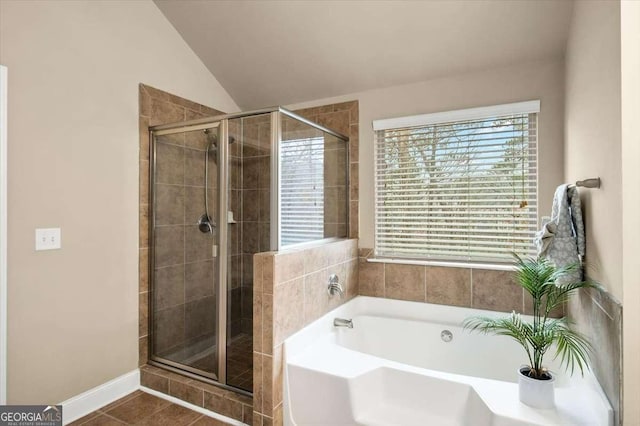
[(465, 287), (290, 291), (342, 117), (598, 315)]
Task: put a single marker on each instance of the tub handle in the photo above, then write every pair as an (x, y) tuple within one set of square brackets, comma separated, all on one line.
[(334, 286)]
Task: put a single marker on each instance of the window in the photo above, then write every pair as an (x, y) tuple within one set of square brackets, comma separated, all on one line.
[(458, 186), (302, 190)]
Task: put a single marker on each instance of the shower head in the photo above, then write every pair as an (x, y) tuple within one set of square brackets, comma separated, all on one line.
[(213, 139)]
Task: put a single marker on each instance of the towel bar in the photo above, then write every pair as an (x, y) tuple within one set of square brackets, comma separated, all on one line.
[(589, 183)]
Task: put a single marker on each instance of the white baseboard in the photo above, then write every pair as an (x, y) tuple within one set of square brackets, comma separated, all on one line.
[(195, 408), (91, 400), (3, 235)]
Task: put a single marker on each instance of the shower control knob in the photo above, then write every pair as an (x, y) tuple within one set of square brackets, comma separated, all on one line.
[(334, 286)]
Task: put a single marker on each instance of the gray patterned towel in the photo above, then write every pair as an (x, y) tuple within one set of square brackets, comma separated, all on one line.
[(561, 239)]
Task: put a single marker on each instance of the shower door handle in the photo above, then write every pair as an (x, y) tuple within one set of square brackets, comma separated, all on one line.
[(214, 250)]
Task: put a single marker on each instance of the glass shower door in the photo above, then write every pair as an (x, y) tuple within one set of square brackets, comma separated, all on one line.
[(183, 258), (249, 230)]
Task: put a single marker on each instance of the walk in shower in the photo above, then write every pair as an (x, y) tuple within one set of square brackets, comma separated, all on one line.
[(224, 189)]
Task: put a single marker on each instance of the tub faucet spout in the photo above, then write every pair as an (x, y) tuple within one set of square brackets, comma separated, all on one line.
[(343, 322)]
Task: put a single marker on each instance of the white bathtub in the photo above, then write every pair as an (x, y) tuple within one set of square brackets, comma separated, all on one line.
[(393, 368)]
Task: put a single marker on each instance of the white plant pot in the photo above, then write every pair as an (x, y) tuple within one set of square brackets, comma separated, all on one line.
[(536, 393)]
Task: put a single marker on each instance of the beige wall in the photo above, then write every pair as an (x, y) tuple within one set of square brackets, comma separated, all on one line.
[(603, 138), (540, 80), (592, 132), (74, 69), (630, 55)]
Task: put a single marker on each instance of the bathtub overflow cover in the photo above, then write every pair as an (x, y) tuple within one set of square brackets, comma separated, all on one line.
[(446, 336)]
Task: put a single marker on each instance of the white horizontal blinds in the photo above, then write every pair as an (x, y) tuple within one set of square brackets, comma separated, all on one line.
[(302, 190), (463, 190)]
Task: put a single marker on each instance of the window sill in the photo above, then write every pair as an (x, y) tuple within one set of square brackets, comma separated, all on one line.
[(448, 264)]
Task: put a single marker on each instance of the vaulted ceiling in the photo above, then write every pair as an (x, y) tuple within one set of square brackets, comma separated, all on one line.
[(282, 52)]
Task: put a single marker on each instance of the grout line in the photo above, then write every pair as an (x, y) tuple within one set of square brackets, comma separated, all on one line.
[(204, 411), (113, 418), (196, 420), (122, 400), (325, 269), (384, 280), (179, 185), (425, 285), (162, 407), (168, 403), (89, 417), (601, 307), (471, 287)]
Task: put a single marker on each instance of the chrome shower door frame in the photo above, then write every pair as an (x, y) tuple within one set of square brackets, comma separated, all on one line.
[(220, 325), (223, 248)]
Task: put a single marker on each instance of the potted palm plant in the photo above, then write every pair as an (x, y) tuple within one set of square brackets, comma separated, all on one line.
[(540, 278)]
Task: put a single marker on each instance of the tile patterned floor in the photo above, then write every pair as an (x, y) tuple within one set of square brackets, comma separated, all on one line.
[(140, 408)]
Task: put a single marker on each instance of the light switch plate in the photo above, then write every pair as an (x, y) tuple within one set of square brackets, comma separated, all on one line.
[(48, 239)]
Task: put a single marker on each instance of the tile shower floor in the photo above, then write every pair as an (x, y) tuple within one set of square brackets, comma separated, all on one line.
[(239, 362), (141, 408)]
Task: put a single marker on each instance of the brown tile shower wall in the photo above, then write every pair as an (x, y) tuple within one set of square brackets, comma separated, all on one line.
[(193, 273), (250, 178), (466, 287), (158, 107), (250, 204), (184, 268), (336, 192), (290, 291), (599, 316), (343, 118)]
